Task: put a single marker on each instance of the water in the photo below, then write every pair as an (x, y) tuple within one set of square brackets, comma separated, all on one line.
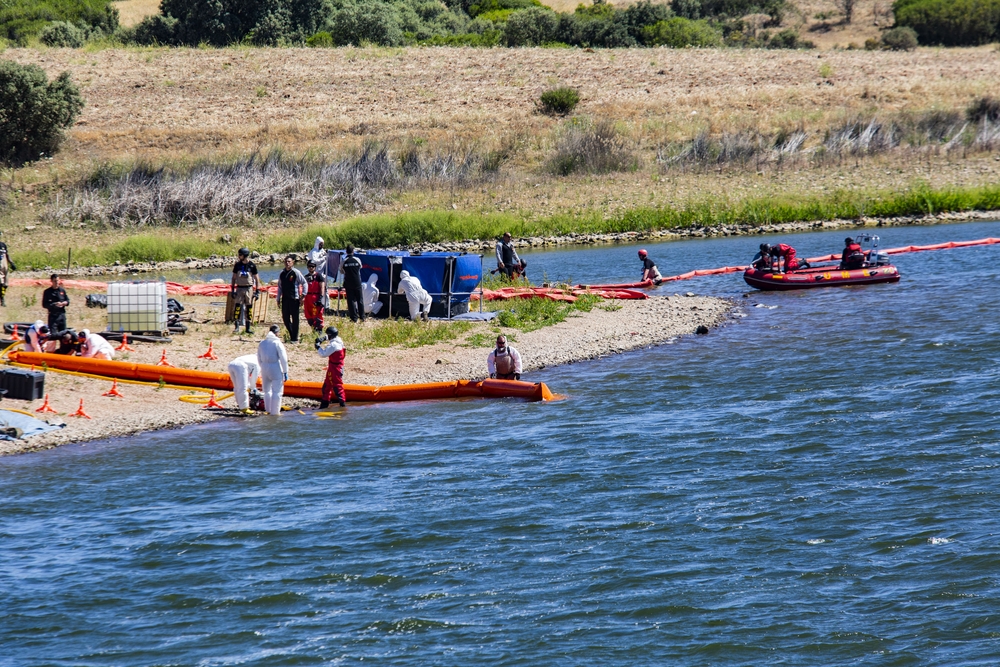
[(813, 484)]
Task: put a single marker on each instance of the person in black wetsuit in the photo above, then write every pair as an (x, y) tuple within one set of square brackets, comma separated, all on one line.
[(55, 300), (291, 285), (351, 270), (508, 262)]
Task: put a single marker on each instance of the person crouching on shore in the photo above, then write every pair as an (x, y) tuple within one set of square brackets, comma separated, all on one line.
[(504, 362), (95, 346), (332, 347), (243, 371)]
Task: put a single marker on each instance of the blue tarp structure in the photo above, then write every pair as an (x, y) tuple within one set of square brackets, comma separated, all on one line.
[(467, 277)]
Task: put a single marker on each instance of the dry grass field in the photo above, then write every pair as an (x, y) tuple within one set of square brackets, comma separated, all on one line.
[(131, 12)]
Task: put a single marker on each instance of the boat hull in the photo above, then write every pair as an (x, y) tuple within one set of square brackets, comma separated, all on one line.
[(819, 277)]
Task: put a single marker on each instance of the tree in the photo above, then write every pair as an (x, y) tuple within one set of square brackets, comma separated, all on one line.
[(34, 111)]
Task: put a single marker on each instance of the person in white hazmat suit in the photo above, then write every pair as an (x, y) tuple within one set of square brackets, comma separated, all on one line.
[(416, 296), (273, 362), (369, 294), (35, 336), (318, 255), (244, 372), (95, 346)]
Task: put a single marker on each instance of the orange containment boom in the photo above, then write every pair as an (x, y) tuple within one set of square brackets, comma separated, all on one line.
[(123, 370)]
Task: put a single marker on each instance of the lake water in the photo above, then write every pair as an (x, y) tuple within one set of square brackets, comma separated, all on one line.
[(816, 483)]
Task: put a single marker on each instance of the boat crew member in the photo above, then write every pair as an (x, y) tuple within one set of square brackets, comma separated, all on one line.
[(243, 371), (508, 262), (762, 260), (315, 297), (351, 270), (35, 337), (273, 362), (504, 362), (55, 300), (416, 296), (291, 287), (852, 257), (649, 270), (244, 286), (783, 251), (95, 346), (332, 347), (6, 266)]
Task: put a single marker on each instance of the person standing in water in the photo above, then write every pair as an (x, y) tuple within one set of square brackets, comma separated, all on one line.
[(332, 347), (504, 362), (649, 270)]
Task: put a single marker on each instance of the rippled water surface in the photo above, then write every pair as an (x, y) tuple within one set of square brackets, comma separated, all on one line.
[(815, 483)]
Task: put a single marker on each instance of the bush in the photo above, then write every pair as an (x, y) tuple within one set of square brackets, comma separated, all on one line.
[(788, 39), (23, 19), (678, 33), (596, 149), (687, 9), (900, 39), (62, 34), (558, 101), (371, 23), (950, 22), (530, 27), (224, 22), (479, 7), (984, 108), (33, 111), (156, 30), (737, 8), (321, 40)]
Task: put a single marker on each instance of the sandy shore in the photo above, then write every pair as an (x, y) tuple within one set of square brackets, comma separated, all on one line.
[(612, 327)]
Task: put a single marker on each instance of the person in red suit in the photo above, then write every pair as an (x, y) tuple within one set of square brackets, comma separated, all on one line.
[(783, 251), (332, 347), (853, 257)]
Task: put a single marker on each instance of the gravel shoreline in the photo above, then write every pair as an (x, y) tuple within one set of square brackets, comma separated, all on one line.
[(536, 242), (611, 328)]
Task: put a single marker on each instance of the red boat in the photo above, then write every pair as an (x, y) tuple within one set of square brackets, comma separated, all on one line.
[(820, 276), (876, 269)]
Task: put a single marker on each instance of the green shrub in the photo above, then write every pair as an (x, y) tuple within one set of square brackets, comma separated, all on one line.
[(156, 30), (984, 108), (530, 27), (687, 9), (558, 101), (900, 39), (678, 33), (23, 19), (62, 34), (788, 39), (950, 22), (480, 7), (321, 39), (34, 111), (737, 8), (224, 22), (370, 23)]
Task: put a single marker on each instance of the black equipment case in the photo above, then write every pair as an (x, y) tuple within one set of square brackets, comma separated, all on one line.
[(22, 384)]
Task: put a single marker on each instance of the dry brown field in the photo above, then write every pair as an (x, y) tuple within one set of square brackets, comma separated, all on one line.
[(131, 12)]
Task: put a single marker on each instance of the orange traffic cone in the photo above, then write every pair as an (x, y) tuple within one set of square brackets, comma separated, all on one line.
[(13, 335), (210, 354), (212, 403), (114, 391), (80, 413), (163, 359), (46, 407), (125, 347)]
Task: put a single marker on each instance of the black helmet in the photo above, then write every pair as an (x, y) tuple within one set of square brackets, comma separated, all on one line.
[(332, 332), (765, 247), (43, 330), (244, 252), (848, 240)]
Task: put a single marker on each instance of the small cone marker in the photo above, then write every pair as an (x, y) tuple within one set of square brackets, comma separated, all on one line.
[(13, 335), (125, 347), (210, 354), (212, 403), (163, 359), (114, 391), (46, 407), (80, 413)]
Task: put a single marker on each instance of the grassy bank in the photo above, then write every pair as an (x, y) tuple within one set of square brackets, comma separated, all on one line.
[(386, 230)]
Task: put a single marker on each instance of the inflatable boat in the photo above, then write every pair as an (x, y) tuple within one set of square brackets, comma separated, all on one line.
[(819, 276), (123, 370)]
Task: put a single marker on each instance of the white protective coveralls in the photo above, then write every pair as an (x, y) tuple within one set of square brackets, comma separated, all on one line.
[(369, 294), (318, 255), (31, 337), (95, 346), (244, 372), (416, 295), (273, 362)]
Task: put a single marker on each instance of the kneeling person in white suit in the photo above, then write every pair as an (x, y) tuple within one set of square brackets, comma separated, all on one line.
[(416, 296), (369, 294), (95, 346), (244, 371), (273, 361)]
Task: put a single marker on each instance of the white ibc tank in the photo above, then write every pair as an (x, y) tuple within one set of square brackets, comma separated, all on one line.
[(137, 306)]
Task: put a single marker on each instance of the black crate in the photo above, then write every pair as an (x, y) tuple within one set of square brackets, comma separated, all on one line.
[(21, 384)]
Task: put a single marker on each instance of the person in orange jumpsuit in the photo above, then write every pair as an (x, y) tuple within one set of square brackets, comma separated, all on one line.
[(315, 299)]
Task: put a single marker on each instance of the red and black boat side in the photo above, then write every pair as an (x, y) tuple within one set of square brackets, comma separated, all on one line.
[(820, 276)]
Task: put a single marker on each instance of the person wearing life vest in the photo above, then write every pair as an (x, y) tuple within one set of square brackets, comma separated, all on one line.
[(852, 257), (95, 346), (508, 262), (243, 371), (504, 362), (649, 270), (783, 251), (244, 287), (273, 361), (332, 347), (315, 297), (416, 296), (762, 260), (35, 337)]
